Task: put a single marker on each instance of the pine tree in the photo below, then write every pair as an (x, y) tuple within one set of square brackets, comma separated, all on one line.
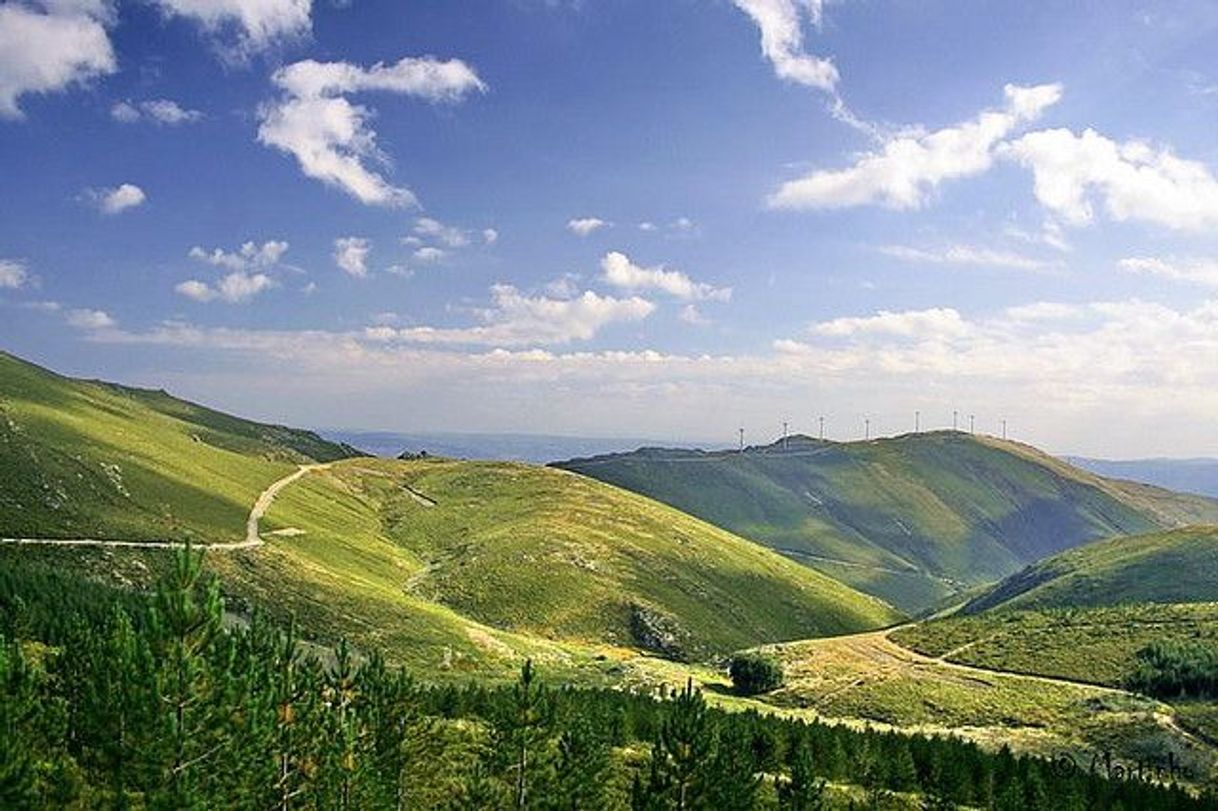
[(681, 753), (583, 767), (522, 731), (732, 779), (183, 628), (802, 791)]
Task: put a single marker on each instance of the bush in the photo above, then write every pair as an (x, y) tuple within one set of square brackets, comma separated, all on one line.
[(753, 673)]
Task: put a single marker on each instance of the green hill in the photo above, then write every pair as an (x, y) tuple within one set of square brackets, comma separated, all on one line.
[(452, 566), (1177, 566), (912, 519), (82, 459)]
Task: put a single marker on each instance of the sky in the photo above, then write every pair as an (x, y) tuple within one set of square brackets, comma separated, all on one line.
[(662, 218)]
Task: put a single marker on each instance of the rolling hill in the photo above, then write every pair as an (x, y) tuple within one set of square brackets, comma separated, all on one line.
[(451, 566), (84, 459), (1177, 566), (913, 519)]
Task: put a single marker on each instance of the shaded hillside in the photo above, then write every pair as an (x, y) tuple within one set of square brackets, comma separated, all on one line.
[(81, 459), (1178, 566), (912, 518)]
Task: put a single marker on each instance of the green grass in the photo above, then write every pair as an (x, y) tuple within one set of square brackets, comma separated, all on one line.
[(1095, 645), (1163, 567), (92, 460), (911, 519), (530, 552), (868, 679)]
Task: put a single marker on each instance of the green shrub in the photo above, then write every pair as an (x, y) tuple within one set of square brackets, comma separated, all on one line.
[(753, 673)]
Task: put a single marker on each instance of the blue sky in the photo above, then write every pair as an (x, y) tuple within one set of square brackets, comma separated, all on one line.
[(624, 218)]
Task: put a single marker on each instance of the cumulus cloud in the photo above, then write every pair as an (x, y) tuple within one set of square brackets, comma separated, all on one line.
[(13, 274), (451, 236), (620, 271), (583, 226), (781, 23), (351, 255), (249, 255), (157, 111), (938, 322), (116, 200), (331, 138), (236, 288), (47, 46), (690, 314), (247, 277), (85, 319), (911, 166), (516, 319), (967, 255), (241, 28), (490, 236), (429, 254), (1073, 174), (1193, 271)]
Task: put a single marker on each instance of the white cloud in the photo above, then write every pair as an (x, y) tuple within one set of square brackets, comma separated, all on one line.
[(351, 255), (241, 28), (782, 43), (583, 226), (490, 236), (90, 319), (331, 138), (13, 274), (517, 320), (1134, 181), (1194, 271), (648, 226), (116, 200), (449, 235), (235, 288), (429, 254), (250, 255), (621, 272), (690, 314), (246, 278), (48, 46), (968, 255), (911, 166), (939, 322), (158, 111)]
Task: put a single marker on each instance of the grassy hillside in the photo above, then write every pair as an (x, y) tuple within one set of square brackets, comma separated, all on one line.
[(871, 679), (912, 519), (546, 554), (1176, 566), (1093, 645), (80, 459), (454, 566)]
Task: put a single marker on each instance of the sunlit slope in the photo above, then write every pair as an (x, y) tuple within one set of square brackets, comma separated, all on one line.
[(911, 518), (1177, 566), (80, 459), (543, 553)]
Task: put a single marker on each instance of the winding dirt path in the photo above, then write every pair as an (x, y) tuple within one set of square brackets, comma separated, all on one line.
[(252, 538)]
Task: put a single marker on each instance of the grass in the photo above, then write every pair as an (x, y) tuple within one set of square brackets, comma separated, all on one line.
[(526, 551), (1095, 645), (1164, 567), (912, 518), (92, 460), (869, 679)]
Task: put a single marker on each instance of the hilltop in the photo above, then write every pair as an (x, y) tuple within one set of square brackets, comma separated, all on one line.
[(1177, 566), (452, 566), (914, 519), (86, 459)]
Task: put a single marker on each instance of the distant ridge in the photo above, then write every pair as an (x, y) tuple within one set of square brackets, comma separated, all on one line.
[(913, 518)]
